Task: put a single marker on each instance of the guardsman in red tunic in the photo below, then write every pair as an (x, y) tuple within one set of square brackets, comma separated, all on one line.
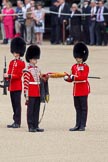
[(81, 88), (14, 74), (32, 75)]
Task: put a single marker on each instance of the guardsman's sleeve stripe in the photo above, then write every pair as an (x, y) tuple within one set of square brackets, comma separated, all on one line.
[(26, 80)]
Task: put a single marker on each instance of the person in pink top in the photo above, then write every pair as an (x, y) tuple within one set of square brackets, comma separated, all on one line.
[(8, 21)]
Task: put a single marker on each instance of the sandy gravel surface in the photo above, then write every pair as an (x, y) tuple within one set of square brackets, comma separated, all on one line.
[(57, 144)]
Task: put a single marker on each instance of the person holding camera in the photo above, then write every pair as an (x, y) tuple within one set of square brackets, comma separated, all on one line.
[(39, 27)]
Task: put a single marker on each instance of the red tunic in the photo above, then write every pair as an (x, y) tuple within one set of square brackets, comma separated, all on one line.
[(32, 81), (81, 85), (15, 70)]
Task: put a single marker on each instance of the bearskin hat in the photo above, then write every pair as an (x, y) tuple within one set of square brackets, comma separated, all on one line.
[(33, 51), (18, 45), (80, 50)]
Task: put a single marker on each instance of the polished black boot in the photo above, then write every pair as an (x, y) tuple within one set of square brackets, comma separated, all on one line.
[(32, 130), (14, 125), (76, 128), (81, 129), (39, 130)]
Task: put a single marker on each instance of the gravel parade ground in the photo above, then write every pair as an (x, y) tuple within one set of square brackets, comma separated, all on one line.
[(57, 143)]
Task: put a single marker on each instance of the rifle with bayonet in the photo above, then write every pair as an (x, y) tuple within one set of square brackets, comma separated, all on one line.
[(4, 81)]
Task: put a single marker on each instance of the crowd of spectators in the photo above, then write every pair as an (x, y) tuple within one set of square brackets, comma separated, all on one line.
[(25, 20), (87, 22)]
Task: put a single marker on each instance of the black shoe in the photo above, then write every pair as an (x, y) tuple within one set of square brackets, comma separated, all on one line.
[(39, 130), (32, 130), (55, 43), (76, 128), (82, 129), (14, 125)]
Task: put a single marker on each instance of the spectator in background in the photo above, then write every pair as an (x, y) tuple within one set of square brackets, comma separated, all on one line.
[(20, 21), (30, 22), (5, 41), (101, 24), (92, 22), (26, 6), (85, 22), (63, 8), (106, 4), (75, 23), (39, 27), (54, 22), (8, 21)]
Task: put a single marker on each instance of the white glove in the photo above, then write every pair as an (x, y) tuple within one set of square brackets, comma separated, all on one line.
[(71, 76), (66, 77)]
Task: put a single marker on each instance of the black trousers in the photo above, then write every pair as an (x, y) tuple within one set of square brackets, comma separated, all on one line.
[(101, 36), (33, 110), (54, 30), (16, 105), (81, 107), (60, 31), (76, 32), (86, 33), (23, 31)]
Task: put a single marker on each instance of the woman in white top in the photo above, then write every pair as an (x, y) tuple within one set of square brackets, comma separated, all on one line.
[(39, 17)]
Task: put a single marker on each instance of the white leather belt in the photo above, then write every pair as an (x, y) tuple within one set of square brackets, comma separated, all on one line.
[(34, 83), (83, 81)]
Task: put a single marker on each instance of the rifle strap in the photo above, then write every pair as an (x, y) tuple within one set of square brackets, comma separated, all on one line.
[(42, 113)]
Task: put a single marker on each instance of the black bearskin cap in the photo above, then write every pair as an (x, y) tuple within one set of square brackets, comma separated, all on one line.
[(18, 45), (33, 51), (80, 50)]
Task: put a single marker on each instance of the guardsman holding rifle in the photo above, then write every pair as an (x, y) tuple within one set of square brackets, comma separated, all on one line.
[(14, 75)]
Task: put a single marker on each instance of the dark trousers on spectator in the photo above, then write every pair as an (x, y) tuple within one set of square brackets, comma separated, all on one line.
[(81, 107), (33, 110), (86, 34), (16, 105), (23, 31), (60, 32), (54, 38), (92, 32), (76, 32), (101, 36)]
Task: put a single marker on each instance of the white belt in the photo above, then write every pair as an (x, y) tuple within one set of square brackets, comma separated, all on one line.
[(83, 81), (34, 83)]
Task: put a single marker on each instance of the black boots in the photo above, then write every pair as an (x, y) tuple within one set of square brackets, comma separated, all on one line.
[(5, 41), (77, 128), (14, 125), (36, 130)]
